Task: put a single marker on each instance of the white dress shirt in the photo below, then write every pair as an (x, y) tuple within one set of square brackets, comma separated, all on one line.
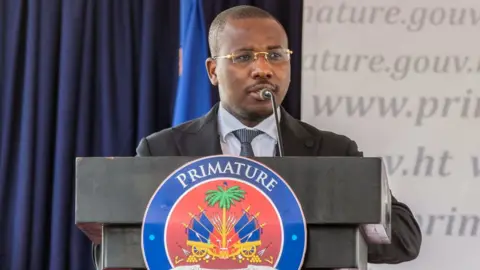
[(264, 145)]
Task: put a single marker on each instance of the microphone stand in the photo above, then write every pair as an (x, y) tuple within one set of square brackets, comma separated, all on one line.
[(266, 94)]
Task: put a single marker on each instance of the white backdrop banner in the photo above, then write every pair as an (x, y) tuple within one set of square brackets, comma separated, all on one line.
[(401, 78)]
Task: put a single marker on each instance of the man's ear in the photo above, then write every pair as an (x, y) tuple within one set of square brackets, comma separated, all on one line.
[(211, 66)]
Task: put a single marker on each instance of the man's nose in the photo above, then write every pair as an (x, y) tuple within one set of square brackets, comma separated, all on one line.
[(262, 69)]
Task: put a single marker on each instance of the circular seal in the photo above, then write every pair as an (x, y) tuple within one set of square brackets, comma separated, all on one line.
[(224, 212)]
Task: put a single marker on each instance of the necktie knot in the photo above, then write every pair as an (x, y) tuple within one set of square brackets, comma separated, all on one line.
[(246, 135)]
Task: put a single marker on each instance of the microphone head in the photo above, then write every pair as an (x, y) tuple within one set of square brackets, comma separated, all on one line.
[(265, 94)]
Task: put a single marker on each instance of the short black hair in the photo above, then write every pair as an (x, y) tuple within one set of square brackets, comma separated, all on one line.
[(235, 13)]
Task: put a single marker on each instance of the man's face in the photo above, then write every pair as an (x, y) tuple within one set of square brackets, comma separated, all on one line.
[(239, 83)]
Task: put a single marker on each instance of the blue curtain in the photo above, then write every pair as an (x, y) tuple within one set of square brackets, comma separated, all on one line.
[(77, 78)]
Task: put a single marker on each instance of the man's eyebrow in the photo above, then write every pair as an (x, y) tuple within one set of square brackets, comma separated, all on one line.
[(245, 49), (250, 49), (274, 47)]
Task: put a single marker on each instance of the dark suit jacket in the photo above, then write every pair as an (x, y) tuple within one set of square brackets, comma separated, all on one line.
[(200, 137)]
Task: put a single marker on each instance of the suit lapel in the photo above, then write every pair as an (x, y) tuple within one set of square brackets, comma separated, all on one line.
[(199, 137), (297, 141)]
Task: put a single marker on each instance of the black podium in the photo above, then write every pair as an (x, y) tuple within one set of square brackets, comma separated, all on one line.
[(346, 202)]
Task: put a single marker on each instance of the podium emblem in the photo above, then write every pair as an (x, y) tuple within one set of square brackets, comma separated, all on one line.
[(224, 212)]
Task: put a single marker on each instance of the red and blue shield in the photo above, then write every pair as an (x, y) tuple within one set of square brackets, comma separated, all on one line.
[(224, 212)]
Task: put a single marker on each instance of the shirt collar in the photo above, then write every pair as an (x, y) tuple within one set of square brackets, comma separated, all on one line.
[(227, 123)]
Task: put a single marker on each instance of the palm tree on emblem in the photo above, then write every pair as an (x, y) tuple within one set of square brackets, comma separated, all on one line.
[(225, 197)]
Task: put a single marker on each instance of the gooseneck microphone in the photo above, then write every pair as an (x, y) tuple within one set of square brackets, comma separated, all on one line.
[(267, 94)]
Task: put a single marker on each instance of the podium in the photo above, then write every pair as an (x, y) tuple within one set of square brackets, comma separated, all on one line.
[(345, 200)]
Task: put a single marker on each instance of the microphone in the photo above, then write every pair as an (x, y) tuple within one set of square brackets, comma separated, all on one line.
[(267, 94)]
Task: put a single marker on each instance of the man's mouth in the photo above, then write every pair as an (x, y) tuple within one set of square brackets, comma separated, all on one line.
[(259, 87), (254, 91), (256, 96)]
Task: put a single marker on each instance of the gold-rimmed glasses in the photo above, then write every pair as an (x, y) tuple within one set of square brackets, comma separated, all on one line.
[(273, 56)]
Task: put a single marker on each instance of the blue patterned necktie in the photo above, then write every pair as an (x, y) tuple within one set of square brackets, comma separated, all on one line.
[(245, 136)]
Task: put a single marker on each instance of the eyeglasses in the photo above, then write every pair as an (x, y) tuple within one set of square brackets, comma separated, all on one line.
[(274, 56)]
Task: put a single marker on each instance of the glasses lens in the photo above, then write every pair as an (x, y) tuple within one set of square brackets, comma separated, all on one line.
[(243, 57), (278, 55), (273, 56)]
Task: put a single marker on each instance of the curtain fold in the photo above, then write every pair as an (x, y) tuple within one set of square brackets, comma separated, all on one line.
[(78, 78)]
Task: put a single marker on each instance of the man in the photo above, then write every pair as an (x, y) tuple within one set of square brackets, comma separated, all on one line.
[(250, 53)]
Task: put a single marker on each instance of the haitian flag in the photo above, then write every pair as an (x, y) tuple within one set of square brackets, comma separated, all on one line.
[(193, 98)]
